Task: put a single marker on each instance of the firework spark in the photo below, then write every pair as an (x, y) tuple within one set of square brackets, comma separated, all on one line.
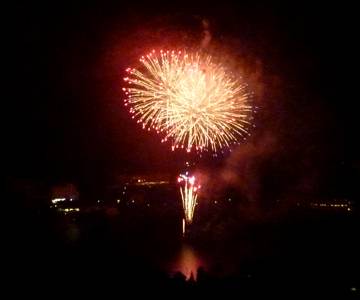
[(189, 196), (189, 98)]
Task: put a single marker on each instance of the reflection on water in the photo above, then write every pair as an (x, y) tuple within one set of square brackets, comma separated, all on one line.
[(187, 262)]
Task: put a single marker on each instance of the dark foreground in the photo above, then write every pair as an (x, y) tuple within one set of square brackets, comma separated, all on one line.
[(302, 253)]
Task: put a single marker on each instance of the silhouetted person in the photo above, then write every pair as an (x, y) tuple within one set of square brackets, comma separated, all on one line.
[(202, 276)]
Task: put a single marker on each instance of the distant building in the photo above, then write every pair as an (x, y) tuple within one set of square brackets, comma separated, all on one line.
[(333, 205), (141, 190), (145, 180), (66, 191), (63, 198)]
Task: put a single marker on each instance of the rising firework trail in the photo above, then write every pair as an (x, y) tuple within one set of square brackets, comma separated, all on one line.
[(188, 192), (190, 99)]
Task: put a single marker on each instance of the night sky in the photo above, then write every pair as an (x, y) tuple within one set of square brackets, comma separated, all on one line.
[(67, 122)]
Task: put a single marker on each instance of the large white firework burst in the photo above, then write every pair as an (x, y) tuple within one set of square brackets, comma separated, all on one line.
[(189, 98)]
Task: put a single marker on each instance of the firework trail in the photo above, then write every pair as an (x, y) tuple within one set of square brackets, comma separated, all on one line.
[(188, 196)]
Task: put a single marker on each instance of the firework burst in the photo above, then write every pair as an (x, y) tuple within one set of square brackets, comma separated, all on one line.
[(190, 99)]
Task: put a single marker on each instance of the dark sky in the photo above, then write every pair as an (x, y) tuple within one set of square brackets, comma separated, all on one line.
[(66, 120)]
